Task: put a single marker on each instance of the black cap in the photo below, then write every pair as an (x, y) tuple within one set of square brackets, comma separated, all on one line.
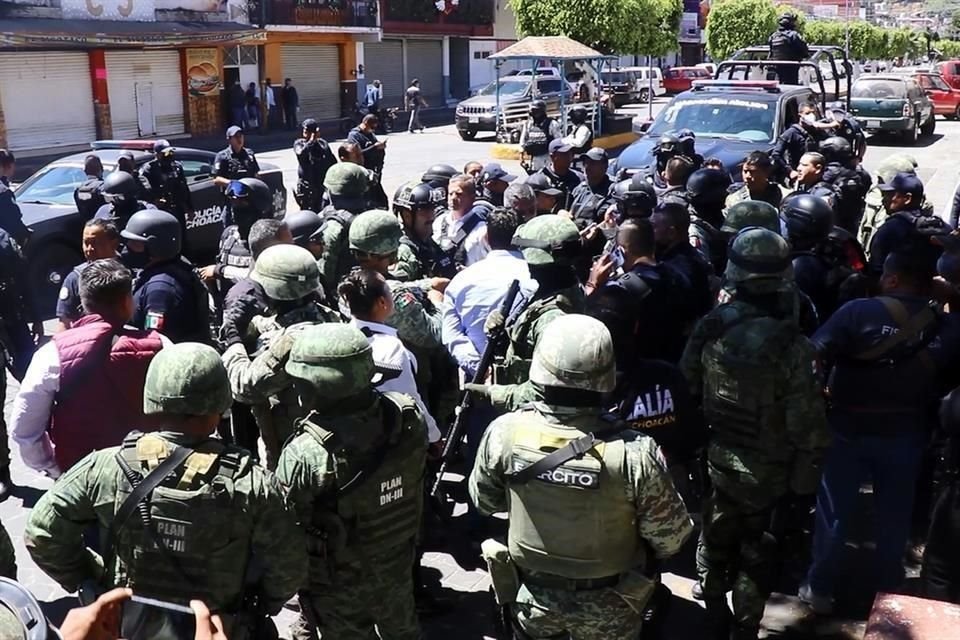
[(493, 171), (903, 183), (162, 146), (539, 183), (597, 154), (310, 125), (234, 130)]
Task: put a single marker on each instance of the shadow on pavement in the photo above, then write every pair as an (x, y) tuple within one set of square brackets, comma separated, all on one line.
[(890, 140)]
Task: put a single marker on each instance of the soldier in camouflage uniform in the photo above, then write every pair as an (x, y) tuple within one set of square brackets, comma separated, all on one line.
[(756, 376), (212, 515), (874, 213), (419, 256), (574, 581), (354, 476), (348, 187), (290, 279), (550, 245)]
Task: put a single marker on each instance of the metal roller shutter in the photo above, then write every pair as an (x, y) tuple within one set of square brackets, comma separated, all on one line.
[(47, 99), (425, 61), (383, 61), (160, 70), (315, 71)]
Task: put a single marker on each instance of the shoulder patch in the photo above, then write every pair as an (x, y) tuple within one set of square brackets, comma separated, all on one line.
[(64, 293), (154, 321)]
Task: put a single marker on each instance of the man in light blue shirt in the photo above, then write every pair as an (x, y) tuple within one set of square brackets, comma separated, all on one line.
[(475, 292)]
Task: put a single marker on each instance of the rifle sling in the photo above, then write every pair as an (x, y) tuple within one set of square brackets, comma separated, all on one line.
[(909, 328), (573, 449)]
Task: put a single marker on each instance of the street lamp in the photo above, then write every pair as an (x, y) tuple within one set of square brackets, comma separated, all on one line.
[(847, 34)]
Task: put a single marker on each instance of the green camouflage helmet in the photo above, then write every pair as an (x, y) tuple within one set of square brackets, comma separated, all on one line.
[(897, 163), (286, 272), (547, 239), (751, 213), (574, 352), (347, 179), (758, 254), (186, 378), (335, 358), (375, 232)]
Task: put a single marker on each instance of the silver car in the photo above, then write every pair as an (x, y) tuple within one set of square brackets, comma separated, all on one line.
[(479, 113)]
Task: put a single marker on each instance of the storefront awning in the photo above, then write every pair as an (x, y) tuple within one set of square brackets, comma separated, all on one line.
[(85, 34)]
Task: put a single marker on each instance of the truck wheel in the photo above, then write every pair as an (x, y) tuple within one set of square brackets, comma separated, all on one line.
[(955, 115), (910, 135), (47, 267), (467, 135), (644, 96), (929, 126)]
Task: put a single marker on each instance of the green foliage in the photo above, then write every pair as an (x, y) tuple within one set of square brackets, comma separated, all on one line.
[(610, 26), (734, 24), (949, 49)]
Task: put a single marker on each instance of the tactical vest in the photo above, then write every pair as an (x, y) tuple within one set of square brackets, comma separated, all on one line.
[(455, 248), (740, 396), (437, 263), (234, 251), (515, 366), (577, 520), (345, 259), (89, 197), (781, 48), (186, 274), (199, 535), (379, 496), (538, 138)]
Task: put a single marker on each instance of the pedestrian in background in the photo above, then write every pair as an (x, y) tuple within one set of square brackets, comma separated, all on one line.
[(291, 104), (270, 100), (414, 103), (237, 100)]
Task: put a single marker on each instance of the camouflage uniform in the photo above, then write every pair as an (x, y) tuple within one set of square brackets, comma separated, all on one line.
[(419, 258), (874, 213), (605, 511), (348, 185), (756, 376), (361, 517), (773, 195), (549, 242), (288, 274), (212, 514), (8, 558)]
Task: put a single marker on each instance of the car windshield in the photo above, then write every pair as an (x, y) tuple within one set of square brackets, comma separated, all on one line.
[(615, 77), (508, 87), (719, 117), (878, 89), (936, 82), (55, 185)]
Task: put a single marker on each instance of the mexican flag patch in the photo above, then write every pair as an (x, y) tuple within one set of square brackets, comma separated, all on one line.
[(154, 321)]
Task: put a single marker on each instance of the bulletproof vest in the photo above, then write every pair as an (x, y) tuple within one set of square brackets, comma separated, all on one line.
[(379, 494), (781, 45), (588, 143), (740, 396), (924, 225), (234, 251), (577, 520), (538, 138), (161, 179), (186, 274), (314, 159), (182, 545), (345, 261), (875, 215), (89, 197), (849, 188), (455, 248), (515, 367), (436, 263)]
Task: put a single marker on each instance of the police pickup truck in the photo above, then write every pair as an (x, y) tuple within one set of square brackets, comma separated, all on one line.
[(46, 201), (730, 117)]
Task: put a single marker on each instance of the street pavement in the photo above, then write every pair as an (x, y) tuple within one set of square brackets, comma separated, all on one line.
[(459, 570)]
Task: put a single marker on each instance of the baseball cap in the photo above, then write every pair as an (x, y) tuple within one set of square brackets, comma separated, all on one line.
[(310, 125), (560, 145), (493, 171), (597, 154), (232, 131), (539, 183), (162, 146), (903, 183)]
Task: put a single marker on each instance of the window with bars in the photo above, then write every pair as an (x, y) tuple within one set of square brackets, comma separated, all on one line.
[(248, 55), (231, 57)]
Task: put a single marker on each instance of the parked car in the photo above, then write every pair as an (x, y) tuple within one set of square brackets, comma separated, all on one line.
[(680, 79), (950, 70), (890, 103), (946, 99), (632, 84), (709, 66), (46, 201), (479, 113)]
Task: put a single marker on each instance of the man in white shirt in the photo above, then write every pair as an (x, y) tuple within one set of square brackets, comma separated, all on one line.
[(461, 230), (270, 99)]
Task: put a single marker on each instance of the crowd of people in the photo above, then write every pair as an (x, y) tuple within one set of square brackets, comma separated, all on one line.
[(624, 355)]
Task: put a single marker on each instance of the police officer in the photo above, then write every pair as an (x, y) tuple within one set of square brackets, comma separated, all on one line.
[(121, 195), (168, 295), (559, 173), (348, 186), (849, 183), (590, 199), (290, 279), (668, 146), (167, 184), (810, 177), (799, 138), (418, 255), (768, 429), (688, 147), (571, 582), (250, 200), (361, 534), (706, 192), (635, 198), (787, 44), (757, 171), (671, 229), (314, 159), (809, 220), (491, 183), (438, 177), (580, 136), (211, 510), (88, 196), (233, 163), (548, 196), (550, 245), (537, 133)]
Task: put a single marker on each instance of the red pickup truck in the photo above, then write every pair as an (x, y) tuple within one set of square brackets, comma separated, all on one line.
[(946, 99)]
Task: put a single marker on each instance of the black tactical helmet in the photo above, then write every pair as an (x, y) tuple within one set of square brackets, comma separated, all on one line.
[(159, 230), (688, 142), (251, 193), (310, 125), (304, 226), (634, 193), (578, 115), (836, 149), (163, 147), (120, 187), (413, 196), (439, 175), (538, 106), (787, 21), (708, 186), (667, 147), (808, 218)]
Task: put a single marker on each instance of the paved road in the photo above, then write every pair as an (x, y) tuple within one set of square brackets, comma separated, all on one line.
[(460, 571)]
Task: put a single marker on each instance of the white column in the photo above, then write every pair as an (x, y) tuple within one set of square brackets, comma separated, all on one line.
[(445, 56)]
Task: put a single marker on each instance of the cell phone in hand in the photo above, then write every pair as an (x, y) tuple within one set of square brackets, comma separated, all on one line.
[(616, 256), (150, 619)]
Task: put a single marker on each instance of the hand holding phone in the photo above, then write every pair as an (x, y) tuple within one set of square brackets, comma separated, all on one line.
[(99, 620), (209, 627)]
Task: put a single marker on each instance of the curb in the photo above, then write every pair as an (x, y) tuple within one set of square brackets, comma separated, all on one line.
[(615, 141)]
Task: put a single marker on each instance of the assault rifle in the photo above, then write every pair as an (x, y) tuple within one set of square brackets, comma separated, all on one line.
[(455, 432)]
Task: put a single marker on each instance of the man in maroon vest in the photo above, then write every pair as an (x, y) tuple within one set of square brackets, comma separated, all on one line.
[(84, 389)]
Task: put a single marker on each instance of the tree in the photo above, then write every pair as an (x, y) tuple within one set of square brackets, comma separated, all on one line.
[(659, 26), (734, 24)]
